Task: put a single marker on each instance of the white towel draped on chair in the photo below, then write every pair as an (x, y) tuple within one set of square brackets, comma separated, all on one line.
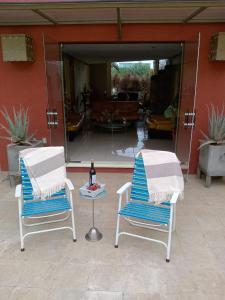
[(46, 169), (163, 173)]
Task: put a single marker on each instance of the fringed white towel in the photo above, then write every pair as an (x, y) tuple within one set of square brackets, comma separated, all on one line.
[(163, 173), (46, 169)]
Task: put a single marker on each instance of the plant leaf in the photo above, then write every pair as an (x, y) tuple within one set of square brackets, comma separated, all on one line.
[(17, 125), (216, 129), (206, 143)]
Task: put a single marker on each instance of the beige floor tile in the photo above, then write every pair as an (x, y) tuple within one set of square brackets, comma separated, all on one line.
[(64, 293), (198, 256), (26, 293), (35, 274), (102, 295), (5, 292), (215, 238), (191, 238), (141, 296), (75, 294), (9, 274), (219, 256), (71, 275), (209, 223), (221, 217), (107, 278), (142, 279), (191, 296)]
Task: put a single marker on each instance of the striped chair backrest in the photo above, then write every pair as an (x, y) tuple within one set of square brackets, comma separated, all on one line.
[(27, 189), (139, 189), (26, 184)]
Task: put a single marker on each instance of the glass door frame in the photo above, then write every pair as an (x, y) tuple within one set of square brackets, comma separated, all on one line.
[(63, 100), (126, 42), (195, 94), (193, 109)]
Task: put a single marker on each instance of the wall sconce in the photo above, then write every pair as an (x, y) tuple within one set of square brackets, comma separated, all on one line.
[(17, 47)]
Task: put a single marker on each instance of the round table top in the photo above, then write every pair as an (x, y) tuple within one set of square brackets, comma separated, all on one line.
[(99, 196)]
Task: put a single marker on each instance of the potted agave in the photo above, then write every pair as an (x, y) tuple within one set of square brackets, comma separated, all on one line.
[(212, 148), (17, 128)]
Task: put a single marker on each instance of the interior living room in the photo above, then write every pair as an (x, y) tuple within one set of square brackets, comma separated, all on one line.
[(119, 99)]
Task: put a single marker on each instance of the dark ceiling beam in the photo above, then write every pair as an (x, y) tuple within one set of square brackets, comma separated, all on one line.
[(119, 23), (44, 16), (194, 14), (119, 4)]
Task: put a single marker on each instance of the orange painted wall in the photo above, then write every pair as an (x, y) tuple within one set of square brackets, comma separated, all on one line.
[(24, 83)]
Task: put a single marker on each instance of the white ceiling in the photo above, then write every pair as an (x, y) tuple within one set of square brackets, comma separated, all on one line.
[(27, 12), (99, 53)]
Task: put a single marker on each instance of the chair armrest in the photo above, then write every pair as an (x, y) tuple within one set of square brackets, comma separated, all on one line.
[(69, 184), (123, 188), (18, 191), (174, 198)]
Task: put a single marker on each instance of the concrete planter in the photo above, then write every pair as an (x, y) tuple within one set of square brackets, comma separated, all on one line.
[(13, 158), (212, 162)]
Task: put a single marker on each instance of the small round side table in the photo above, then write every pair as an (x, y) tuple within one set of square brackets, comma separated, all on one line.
[(93, 234)]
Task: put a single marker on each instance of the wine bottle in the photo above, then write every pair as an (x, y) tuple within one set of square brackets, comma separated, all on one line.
[(92, 174)]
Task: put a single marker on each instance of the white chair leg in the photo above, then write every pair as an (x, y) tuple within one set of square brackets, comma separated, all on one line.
[(117, 230), (74, 227), (174, 217), (20, 224), (72, 217), (21, 234), (169, 235)]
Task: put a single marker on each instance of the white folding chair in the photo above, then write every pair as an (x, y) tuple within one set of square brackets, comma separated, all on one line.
[(138, 211), (35, 212)]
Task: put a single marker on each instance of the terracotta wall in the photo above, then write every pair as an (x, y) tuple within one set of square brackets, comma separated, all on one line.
[(24, 83)]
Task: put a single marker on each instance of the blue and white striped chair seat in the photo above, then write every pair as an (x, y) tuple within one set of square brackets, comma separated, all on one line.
[(146, 212), (46, 206)]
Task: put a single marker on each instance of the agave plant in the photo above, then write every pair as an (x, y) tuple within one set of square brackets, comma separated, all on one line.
[(17, 126), (216, 134)]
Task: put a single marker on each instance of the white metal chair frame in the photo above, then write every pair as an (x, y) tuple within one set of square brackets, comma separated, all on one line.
[(125, 189), (65, 215)]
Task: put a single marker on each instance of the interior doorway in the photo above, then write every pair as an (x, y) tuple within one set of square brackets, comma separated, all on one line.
[(119, 99)]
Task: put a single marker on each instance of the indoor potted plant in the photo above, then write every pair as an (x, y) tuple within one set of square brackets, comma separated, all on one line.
[(212, 148), (17, 128)]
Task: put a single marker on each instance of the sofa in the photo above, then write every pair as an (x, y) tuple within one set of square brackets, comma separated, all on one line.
[(160, 127), (74, 123)]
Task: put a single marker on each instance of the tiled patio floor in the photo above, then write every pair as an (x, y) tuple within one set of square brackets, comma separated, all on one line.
[(53, 267)]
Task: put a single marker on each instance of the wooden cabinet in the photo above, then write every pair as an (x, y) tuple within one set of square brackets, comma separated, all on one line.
[(217, 47), (164, 89)]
